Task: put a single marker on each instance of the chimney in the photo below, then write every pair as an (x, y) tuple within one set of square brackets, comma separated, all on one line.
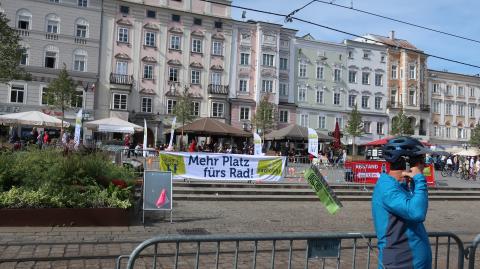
[(392, 35)]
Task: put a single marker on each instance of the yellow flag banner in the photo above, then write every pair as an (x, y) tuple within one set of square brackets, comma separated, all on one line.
[(322, 189)]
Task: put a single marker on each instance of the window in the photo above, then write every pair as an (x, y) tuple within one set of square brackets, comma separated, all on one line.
[(244, 113), (283, 89), (77, 99), (319, 72), (197, 21), (340, 121), (124, 10), (336, 98), (146, 105), (448, 109), (380, 128), (435, 130), (366, 55), (151, 14), (121, 68), (302, 70), (436, 88), (393, 96), (148, 71), (412, 72), (175, 18), (45, 96), (17, 93), (460, 91), (365, 78), (83, 3), (394, 72), (217, 48), (366, 127), (197, 45), (378, 79), (460, 133), (267, 85), (51, 59), (304, 120), (123, 35), (217, 110), (218, 25), (244, 58), (351, 100), (321, 122), (283, 64), (173, 74), (284, 116), (448, 132), (119, 101), (382, 58), (175, 42), (52, 24), (449, 90), (378, 102), (216, 78), (79, 61), (350, 55), (319, 97), (24, 19), (302, 92), (55, 1), (472, 92), (171, 106), (81, 28), (243, 87), (460, 110), (150, 38), (365, 101), (436, 107), (336, 75), (195, 109), (472, 111), (24, 57), (352, 76), (411, 98), (195, 78), (267, 60)]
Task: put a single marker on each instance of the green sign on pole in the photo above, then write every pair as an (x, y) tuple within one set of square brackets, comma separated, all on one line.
[(323, 191)]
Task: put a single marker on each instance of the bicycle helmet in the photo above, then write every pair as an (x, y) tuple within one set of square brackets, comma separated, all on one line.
[(403, 146)]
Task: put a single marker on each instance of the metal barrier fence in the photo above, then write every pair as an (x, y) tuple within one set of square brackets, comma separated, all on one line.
[(470, 252), (279, 250)]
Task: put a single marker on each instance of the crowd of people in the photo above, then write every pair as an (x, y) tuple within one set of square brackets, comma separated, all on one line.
[(456, 164)]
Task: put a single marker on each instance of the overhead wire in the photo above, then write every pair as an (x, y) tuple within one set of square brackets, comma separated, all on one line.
[(344, 32)]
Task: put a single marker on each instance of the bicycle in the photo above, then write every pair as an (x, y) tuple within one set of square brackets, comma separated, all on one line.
[(447, 171)]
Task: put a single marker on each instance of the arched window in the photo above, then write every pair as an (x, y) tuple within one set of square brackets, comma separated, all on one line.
[(51, 56), (80, 60), (52, 24), (81, 28), (24, 19)]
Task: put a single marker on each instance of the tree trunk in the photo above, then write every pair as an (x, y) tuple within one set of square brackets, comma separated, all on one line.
[(354, 147)]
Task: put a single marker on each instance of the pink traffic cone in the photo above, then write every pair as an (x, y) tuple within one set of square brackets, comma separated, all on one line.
[(162, 199)]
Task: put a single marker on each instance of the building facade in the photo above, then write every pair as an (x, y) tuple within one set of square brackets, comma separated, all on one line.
[(406, 82), (263, 61), (455, 110), (321, 88), (54, 34), (367, 87), (154, 50)]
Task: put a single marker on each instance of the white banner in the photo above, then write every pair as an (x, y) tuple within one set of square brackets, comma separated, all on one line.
[(257, 142), (78, 127), (172, 133), (145, 138), (212, 166), (312, 142)]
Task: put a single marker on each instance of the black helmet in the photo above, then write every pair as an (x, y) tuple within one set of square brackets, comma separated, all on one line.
[(403, 146)]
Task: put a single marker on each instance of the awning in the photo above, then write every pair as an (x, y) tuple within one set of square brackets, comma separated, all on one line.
[(115, 129)]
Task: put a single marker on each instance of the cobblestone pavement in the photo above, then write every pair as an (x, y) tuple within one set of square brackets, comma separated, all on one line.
[(97, 247)]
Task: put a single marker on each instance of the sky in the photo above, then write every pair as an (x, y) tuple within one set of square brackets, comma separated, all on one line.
[(459, 17)]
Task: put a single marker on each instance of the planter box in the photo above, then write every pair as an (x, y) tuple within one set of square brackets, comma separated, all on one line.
[(64, 217)]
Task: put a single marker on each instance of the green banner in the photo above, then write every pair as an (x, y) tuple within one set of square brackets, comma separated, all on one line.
[(323, 191)]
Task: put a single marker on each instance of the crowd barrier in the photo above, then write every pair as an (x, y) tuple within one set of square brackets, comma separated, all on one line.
[(471, 251), (277, 250)]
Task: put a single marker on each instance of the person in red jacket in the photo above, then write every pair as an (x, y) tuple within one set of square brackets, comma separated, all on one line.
[(193, 146), (46, 138)]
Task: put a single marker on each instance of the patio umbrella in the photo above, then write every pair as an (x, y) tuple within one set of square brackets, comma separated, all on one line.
[(113, 125), (294, 132), (32, 118), (383, 141), (336, 137), (469, 152), (208, 126)]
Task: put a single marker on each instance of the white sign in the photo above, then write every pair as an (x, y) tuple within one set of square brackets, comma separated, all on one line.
[(172, 133), (312, 142), (145, 138), (257, 142), (78, 127)]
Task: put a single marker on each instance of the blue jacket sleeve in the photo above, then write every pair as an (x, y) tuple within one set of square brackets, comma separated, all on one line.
[(409, 207)]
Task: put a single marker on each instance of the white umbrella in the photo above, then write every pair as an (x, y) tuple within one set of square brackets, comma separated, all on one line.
[(113, 125), (469, 152), (35, 118)]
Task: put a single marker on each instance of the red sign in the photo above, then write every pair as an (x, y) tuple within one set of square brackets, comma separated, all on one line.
[(368, 172)]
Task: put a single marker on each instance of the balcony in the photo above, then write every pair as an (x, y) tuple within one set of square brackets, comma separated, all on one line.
[(23, 32), (394, 104), (80, 40), (424, 107), (51, 36), (218, 89), (120, 79)]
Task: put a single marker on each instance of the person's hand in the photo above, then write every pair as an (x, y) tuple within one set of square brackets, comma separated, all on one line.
[(414, 171)]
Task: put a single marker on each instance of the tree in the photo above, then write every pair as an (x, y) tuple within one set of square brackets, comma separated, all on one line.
[(183, 110), (10, 53), (264, 118), (354, 127), (401, 124), (475, 136), (60, 92)]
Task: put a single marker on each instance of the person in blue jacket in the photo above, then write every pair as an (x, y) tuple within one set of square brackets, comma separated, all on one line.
[(399, 207)]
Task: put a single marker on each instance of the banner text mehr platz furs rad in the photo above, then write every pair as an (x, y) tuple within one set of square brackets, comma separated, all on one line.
[(211, 166)]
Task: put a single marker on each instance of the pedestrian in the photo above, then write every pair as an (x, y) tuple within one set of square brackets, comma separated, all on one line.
[(46, 139), (34, 135), (40, 140), (193, 146), (477, 167), (399, 208)]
